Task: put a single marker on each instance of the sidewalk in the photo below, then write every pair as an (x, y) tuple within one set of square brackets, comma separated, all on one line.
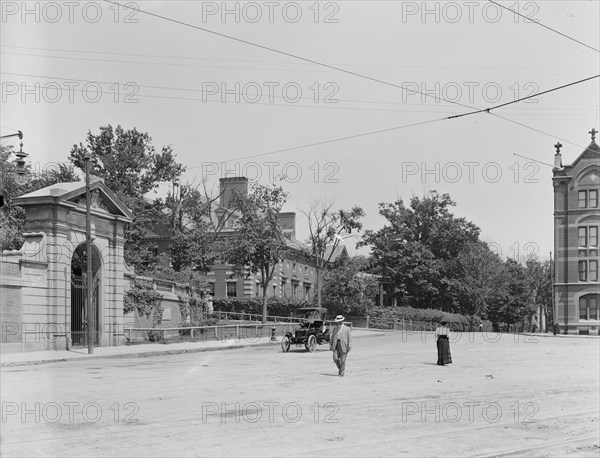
[(549, 334), (146, 350)]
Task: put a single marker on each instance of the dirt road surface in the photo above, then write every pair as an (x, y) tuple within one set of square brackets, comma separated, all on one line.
[(504, 395)]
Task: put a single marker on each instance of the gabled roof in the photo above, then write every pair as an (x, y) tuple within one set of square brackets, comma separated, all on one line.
[(591, 152), (339, 251), (295, 244), (72, 191)]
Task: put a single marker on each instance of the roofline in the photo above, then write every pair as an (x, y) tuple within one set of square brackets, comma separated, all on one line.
[(63, 200), (588, 148)]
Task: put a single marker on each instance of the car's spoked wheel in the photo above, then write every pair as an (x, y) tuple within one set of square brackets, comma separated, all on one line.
[(311, 345), (285, 344)]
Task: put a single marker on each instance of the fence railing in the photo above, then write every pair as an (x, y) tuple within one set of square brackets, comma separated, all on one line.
[(251, 316), (238, 332)]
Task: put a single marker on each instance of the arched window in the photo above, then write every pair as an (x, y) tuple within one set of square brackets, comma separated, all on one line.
[(588, 307), (588, 189)]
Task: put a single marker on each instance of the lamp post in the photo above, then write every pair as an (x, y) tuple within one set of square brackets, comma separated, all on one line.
[(21, 155), (91, 321)]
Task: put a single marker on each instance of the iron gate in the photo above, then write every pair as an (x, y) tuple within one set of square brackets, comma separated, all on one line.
[(79, 320)]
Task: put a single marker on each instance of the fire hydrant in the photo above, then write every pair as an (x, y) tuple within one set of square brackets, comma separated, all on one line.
[(273, 331)]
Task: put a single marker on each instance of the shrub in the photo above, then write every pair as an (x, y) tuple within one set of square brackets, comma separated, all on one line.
[(425, 319), (143, 298), (276, 306)]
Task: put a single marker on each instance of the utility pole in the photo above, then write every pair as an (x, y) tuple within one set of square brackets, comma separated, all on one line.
[(554, 318), (91, 322)]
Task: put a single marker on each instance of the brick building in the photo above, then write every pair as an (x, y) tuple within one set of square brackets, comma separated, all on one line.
[(576, 223), (295, 276)]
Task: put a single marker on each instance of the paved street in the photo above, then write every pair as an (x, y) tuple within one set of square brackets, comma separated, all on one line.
[(521, 396)]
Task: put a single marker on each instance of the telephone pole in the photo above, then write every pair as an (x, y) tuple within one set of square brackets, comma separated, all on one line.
[(91, 321)]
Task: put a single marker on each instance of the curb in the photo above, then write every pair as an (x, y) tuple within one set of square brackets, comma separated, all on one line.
[(561, 336), (148, 354)]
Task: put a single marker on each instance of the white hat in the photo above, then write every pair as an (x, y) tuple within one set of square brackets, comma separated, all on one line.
[(339, 318)]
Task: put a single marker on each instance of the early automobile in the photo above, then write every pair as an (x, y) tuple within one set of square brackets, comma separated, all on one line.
[(312, 331)]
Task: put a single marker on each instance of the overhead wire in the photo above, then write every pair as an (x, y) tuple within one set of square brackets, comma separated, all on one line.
[(284, 53), (431, 67), (324, 142), (339, 69), (487, 110), (545, 26), (330, 105)]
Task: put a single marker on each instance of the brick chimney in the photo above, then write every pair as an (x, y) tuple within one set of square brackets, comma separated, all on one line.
[(288, 224), (228, 185)]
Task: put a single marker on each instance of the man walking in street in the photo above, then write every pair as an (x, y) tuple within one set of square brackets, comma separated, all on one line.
[(340, 342)]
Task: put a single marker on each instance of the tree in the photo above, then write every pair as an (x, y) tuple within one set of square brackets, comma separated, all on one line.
[(348, 287), (327, 229), (127, 161), (196, 228), (12, 217), (418, 250), (130, 167), (258, 244), (482, 279), (539, 275), (513, 302)]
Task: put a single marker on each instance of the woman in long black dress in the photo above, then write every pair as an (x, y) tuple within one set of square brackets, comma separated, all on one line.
[(442, 334)]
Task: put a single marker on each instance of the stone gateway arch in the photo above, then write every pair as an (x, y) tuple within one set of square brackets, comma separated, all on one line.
[(42, 285)]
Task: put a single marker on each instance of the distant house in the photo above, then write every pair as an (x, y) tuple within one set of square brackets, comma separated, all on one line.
[(576, 222)]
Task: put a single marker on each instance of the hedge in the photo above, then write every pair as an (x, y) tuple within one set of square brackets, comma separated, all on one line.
[(276, 306), (382, 317), (423, 317)]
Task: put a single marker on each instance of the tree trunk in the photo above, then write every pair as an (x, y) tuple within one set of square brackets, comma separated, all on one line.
[(319, 285), (264, 310)]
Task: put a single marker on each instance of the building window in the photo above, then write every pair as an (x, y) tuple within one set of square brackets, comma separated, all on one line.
[(274, 290), (582, 199), (307, 292), (593, 236), (593, 198), (588, 307), (583, 310), (295, 289), (593, 270), (582, 270), (582, 236), (588, 253), (232, 289), (283, 288)]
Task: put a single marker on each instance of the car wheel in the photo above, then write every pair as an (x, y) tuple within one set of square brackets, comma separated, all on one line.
[(311, 345), (285, 344)]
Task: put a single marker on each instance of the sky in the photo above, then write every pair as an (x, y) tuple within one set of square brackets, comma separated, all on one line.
[(345, 101)]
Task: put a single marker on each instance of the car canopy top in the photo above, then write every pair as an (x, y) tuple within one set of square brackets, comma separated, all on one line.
[(312, 312)]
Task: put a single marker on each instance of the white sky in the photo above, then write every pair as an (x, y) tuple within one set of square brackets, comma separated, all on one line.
[(458, 45)]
